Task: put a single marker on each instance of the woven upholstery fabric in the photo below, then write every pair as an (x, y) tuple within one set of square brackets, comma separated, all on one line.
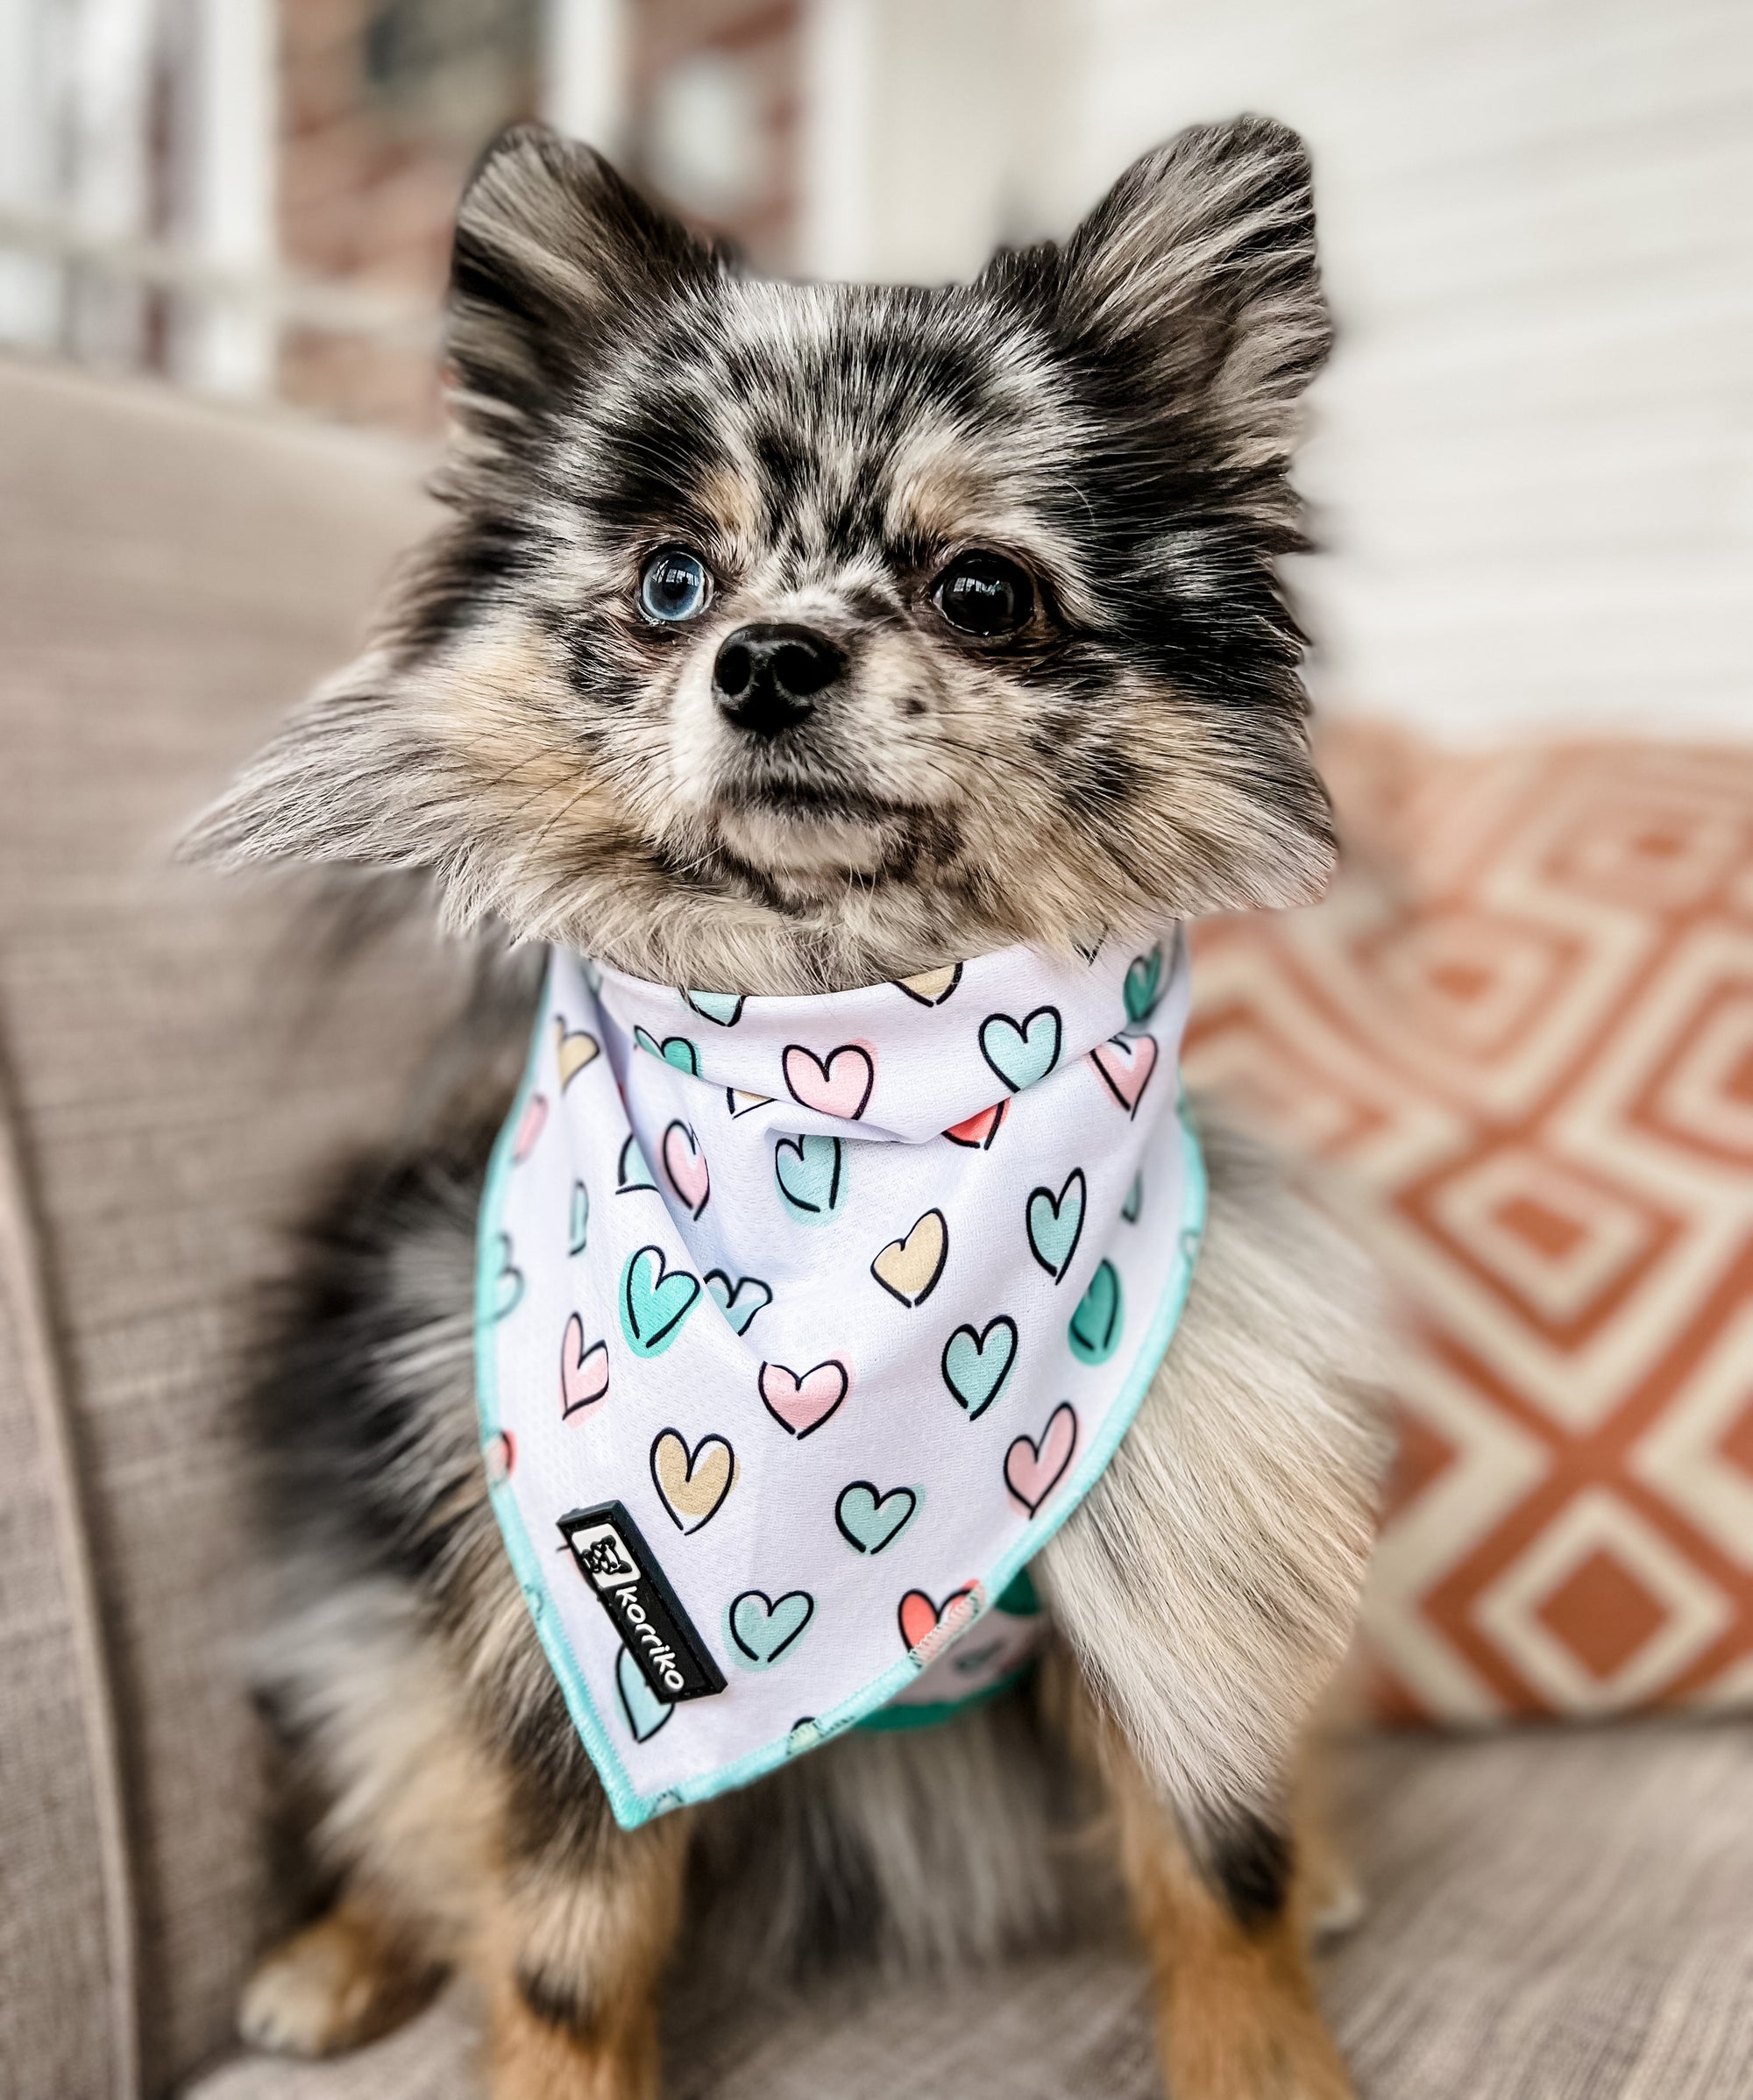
[(1554, 1917), (1521, 1035), (170, 579)]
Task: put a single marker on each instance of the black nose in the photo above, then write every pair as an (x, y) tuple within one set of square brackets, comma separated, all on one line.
[(767, 675)]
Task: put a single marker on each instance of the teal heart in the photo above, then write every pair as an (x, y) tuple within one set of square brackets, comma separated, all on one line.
[(761, 1631), (1094, 1331), (811, 1173), (631, 1172), (1135, 1200), (1021, 1051), (654, 1301), (724, 1007), (645, 1712), (870, 1521), (578, 1220), (739, 1304), (975, 1365), (674, 1050), (1144, 984), (1057, 1224), (508, 1282)]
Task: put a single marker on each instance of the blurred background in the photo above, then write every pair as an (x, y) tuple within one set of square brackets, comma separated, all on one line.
[(1533, 457)]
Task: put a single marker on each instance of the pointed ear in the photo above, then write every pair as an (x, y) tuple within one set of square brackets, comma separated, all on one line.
[(554, 255), (1196, 276)]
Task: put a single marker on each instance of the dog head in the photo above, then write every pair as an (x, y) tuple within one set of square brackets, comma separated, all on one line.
[(784, 636)]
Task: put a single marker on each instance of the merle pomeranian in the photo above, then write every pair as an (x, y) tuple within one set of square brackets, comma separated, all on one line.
[(1039, 684)]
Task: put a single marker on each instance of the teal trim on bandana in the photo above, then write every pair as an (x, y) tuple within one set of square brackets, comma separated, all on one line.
[(631, 1807)]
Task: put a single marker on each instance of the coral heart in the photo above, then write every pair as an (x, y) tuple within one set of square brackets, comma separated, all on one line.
[(837, 1086), (1125, 1063), (870, 1521), (645, 1712), (1023, 1051), (685, 1164), (724, 1007), (1144, 985), (927, 1626), (739, 1301), (1032, 1470), (583, 1372), (975, 1365), (908, 1269), (654, 1301), (1055, 1223), (573, 1050), (1095, 1330), (801, 1405), (761, 1629), (529, 1127), (811, 1173), (692, 1485), (977, 1132), (930, 987)]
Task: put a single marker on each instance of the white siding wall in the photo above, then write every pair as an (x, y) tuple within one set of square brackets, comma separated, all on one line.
[(1534, 454)]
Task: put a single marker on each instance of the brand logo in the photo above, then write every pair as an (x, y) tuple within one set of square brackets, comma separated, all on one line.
[(630, 1586)]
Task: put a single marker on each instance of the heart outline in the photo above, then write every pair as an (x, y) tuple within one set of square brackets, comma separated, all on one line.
[(727, 1303), (1027, 1458), (689, 1060), (1125, 1063), (806, 1149), (1042, 1205), (811, 1081), (753, 1658), (508, 1280), (574, 1049), (629, 1682), (902, 1250), (583, 1372), (579, 1219), (693, 1173), (918, 987), (655, 1295), (968, 1132), (1096, 1350), (877, 1501), (1142, 991), (979, 1341), (790, 1408), (1003, 1029), (528, 1128), (664, 1444), (712, 1006), (633, 1162), (923, 1640)]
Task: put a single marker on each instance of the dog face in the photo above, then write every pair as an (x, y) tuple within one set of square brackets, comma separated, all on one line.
[(786, 635)]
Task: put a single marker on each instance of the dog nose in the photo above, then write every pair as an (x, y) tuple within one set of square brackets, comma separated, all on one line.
[(767, 675)]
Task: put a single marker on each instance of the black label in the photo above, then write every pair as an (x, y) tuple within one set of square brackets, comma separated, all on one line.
[(630, 1586)]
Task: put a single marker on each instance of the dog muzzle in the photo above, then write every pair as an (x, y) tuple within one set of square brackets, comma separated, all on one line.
[(803, 1323)]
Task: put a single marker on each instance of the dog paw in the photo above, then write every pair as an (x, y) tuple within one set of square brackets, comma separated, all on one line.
[(338, 1983)]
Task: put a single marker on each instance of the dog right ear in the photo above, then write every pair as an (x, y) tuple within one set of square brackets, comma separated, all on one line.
[(554, 255)]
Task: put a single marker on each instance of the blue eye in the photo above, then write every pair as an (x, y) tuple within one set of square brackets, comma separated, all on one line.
[(675, 586)]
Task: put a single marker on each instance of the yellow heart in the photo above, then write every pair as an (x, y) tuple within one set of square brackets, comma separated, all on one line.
[(694, 1486), (574, 1051), (932, 986), (909, 1268), (741, 1102)]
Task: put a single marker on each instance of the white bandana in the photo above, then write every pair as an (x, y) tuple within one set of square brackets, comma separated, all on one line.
[(803, 1323)]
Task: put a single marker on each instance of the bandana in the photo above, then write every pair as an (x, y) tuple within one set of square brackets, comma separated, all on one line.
[(803, 1323)]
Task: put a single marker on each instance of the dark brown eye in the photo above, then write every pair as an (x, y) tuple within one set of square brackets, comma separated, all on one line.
[(984, 594)]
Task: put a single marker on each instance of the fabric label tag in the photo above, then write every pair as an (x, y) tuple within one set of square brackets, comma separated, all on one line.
[(630, 1586)]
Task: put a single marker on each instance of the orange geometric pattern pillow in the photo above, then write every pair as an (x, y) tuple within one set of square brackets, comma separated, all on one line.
[(1521, 1034)]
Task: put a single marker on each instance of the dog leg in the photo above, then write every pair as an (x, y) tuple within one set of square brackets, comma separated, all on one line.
[(573, 1962), (349, 1977)]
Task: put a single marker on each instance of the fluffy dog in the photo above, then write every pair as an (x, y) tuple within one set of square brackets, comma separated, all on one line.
[(1028, 677)]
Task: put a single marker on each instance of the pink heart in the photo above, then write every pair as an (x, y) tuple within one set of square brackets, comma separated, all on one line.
[(1032, 1470), (930, 1627), (803, 1404), (1125, 1063), (529, 1127), (842, 1087), (583, 1372), (685, 1164)]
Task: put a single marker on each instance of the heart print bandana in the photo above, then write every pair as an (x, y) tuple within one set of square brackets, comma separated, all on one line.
[(803, 1323)]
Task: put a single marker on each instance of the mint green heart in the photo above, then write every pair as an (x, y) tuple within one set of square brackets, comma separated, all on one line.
[(1021, 1051), (1095, 1330), (761, 1631), (724, 1007), (509, 1283), (645, 1712), (1144, 984), (1135, 1200), (811, 1172), (631, 1171), (654, 1301), (975, 1365), (870, 1521), (1056, 1222), (579, 1219), (674, 1050)]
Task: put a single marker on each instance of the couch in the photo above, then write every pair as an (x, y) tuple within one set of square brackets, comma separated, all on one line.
[(1554, 1913)]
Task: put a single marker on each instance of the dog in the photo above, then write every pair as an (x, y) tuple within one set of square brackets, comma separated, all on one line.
[(1019, 536)]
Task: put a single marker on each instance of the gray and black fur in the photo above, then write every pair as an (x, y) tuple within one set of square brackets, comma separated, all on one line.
[(1115, 416)]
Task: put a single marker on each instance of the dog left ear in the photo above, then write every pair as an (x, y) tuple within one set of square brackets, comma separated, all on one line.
[(1195, 277)]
